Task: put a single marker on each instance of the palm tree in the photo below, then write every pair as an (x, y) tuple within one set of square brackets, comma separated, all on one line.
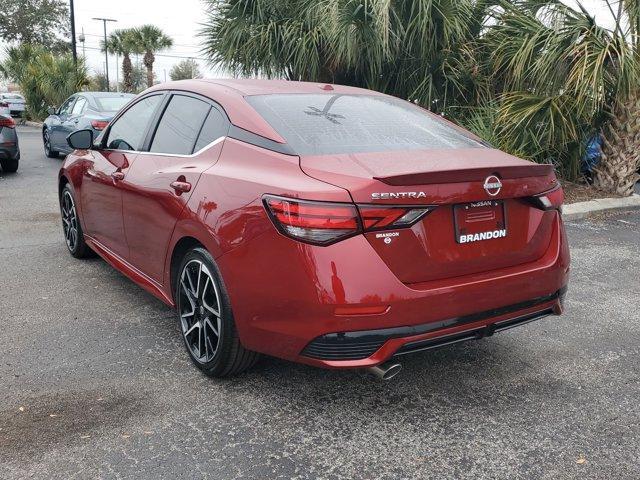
[(561, 79), (618, 170), (536, 77), (122, 42), (419, 50), (150, 39)]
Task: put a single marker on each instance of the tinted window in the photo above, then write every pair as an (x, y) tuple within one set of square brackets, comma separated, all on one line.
[(328, 124), (180, 125), (66, 106), (128, 132), (78, 108), (215, 126), (112, 104)]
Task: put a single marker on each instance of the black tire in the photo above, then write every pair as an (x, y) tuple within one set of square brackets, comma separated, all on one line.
[(46, 141), (71, 228), (10, 165), (196, 307)]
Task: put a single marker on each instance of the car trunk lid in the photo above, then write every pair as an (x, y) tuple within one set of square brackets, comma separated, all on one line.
[(483, 217)]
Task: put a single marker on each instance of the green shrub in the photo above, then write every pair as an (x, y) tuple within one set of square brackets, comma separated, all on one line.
[(45, 79)]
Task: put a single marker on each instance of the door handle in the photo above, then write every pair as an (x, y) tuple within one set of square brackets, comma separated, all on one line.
[(117, 176), (181, 187)]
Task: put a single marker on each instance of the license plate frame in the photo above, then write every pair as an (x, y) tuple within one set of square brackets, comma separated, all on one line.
[(480, 217)]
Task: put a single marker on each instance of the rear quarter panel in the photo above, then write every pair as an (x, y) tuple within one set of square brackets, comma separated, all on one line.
[(226, 210)]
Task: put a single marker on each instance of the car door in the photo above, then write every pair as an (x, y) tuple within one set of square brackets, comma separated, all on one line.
[(106, 170), (70, 124), (186, 142), (56, 129)]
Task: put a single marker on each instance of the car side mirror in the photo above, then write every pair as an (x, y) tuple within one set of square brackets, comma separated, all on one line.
[(80, 139), (52, 110)]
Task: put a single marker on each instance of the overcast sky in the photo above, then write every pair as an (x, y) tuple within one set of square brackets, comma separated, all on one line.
[(181, 21)]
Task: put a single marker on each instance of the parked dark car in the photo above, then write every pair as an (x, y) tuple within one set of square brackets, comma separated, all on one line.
[(9, 148), (84, 110)]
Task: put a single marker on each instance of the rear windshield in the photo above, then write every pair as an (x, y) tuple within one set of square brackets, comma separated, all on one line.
[(112, 104), (317, 124)]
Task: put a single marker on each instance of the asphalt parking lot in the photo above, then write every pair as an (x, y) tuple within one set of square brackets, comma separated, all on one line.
[(94, 382)]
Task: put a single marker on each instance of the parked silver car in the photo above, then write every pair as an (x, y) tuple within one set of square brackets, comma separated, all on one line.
[(15, 103), (9, 148), (84, 110)]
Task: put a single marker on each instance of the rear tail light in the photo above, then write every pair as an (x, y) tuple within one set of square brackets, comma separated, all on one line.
[(99, 124), (324, 223), (551, 200), (376, 217), (319, 223), (7, 122)]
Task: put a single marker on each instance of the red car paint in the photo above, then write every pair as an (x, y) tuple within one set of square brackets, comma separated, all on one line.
[(286, 293)]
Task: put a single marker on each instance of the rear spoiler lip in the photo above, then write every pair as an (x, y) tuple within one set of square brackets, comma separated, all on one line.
[(468, 175)]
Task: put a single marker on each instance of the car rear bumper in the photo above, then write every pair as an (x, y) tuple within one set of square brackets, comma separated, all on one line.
[(366, 347), (9, 153), (303, 303)]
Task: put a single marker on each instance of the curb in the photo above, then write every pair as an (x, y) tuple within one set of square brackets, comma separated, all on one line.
[(29, 123), (576, 211)]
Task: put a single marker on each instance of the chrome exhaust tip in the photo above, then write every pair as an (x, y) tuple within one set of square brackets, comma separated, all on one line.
[(385, 371)]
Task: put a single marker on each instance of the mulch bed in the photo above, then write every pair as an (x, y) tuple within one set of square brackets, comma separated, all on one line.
[(580, 192)]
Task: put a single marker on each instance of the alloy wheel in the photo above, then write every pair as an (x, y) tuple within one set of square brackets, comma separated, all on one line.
[(200, 316), (69, 220), (47, 142)]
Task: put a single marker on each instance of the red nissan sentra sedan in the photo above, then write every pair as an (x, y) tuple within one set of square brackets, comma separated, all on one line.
[(323, 224)]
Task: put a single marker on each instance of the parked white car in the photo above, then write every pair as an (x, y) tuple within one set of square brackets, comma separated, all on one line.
[(15, 102), (4, 109)]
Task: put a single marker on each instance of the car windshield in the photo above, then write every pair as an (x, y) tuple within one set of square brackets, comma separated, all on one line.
[(111, 104), (12, 96), (318, 124)]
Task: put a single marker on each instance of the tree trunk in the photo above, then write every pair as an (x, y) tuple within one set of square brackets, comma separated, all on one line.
[(617, 171), (148, 62), (127, 68)]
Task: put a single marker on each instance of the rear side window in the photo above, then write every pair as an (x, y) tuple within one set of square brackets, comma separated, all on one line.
[(112, 104), (318, 124), (128, 131), (79, 106), (180, 125), (66, 106), (215, 126)]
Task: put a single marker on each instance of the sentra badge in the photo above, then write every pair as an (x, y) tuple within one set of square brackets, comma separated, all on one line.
[(392, 195)]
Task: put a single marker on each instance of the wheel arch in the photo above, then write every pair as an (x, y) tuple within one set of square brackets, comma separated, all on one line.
[(69, 177), (180, 249), (62, 181)]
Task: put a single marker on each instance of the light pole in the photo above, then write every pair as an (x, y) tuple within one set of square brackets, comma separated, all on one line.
[(106, 53), (82, 39), (73, 34), (117, 73)]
